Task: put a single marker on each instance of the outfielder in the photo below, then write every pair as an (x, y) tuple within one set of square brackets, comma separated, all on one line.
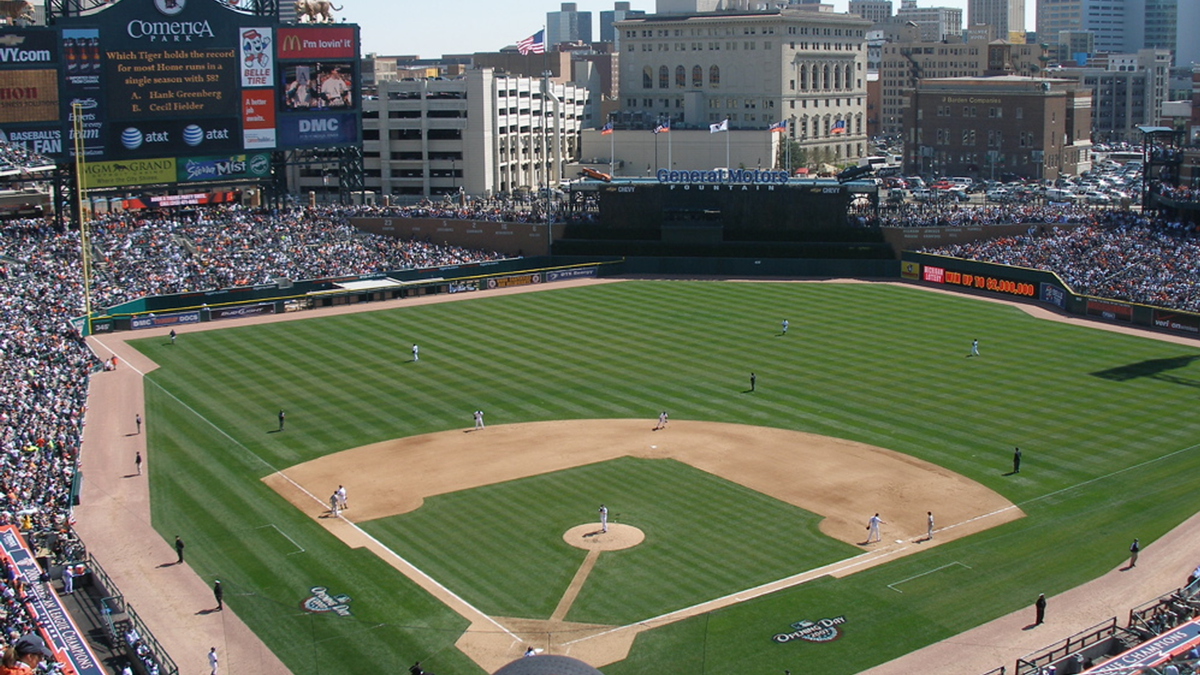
[(416, 353), (974, 347), (785, 326)]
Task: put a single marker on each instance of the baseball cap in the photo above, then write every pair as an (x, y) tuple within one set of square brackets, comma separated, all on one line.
[(32, 644)]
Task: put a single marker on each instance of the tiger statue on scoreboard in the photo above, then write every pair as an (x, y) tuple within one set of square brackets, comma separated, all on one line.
[(313, 11)]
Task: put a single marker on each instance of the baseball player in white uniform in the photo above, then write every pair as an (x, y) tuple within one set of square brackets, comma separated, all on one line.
[(333, 504), (416, 352), (603, 518), (341, 496), (478, 419), (785, 326), (929, 526), (662, 421), (873, 528), (974, 347)]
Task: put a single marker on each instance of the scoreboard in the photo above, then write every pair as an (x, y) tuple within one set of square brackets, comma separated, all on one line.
[(178, 90)]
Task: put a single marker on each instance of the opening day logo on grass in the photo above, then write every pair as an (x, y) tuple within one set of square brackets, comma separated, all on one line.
[(322, 601), (821, 630)]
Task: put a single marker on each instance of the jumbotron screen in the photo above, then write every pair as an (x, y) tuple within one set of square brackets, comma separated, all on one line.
[(159, 83)]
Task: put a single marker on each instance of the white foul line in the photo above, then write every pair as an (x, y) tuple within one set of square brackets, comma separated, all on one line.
[(918, 576)]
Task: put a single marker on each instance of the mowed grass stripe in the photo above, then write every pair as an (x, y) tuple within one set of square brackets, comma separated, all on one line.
[(876, 364)]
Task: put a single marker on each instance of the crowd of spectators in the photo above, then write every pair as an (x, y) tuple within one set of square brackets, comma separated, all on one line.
[(1182, 194), (1124, 257), (500, 208), (137, 253), (955, 215), (19, 159), (45, 364)]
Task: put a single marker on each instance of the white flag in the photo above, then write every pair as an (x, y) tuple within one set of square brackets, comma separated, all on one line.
[(717, 128)]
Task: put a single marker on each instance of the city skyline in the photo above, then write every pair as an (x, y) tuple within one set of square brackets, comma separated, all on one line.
[(482, 28)]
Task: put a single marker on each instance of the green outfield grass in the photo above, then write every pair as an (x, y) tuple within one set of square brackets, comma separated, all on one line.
[(1106, 423)]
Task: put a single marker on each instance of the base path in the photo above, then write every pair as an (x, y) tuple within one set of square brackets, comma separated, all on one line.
[(114, 520), (816, 473)]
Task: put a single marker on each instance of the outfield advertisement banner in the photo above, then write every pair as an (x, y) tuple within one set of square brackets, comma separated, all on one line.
[(463, 286), (515, 280), (59, 630), (578, 273), (1186, 323), (1054, 295), (910, 270), (242, 311), (1110, 310), (153, 321)]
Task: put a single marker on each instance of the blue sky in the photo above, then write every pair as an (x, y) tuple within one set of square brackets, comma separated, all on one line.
[(430, 28)]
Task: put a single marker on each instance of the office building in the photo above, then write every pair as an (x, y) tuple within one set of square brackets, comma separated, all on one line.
[(875, 11), (987, 126), (484, 132), (751, 68), (1075, 46), (907, 59), (1126, 26), (1007, 17), (608, 17), (1128, 91), (936, 23), (568, 25)]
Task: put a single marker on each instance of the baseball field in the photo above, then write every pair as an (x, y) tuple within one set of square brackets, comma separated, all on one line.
[(729, 529)]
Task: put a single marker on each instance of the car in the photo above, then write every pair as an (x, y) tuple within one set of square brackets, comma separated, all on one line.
[(921, 194), (1096, 198), (998, 195)]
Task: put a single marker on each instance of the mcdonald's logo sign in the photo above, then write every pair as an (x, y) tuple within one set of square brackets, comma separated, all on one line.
[(317, 43)]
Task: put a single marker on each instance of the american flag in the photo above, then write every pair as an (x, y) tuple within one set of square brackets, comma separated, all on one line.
[(534, 44), (779, 127), (839, 127), (606, 129), (663, 127)]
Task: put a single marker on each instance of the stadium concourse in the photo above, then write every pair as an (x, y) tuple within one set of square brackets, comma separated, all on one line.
[(48, 369)]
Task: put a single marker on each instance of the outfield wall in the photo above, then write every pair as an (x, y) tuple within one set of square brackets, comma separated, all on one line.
[(903, 238), (1039, 286)]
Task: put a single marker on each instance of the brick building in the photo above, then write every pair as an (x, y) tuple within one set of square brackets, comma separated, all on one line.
[(987, 126)]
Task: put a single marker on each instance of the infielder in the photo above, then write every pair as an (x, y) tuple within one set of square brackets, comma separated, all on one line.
[(603, 518), (929, 526), (662, 421), (333, 504), (873, 528), (478, 419), (341, 497)]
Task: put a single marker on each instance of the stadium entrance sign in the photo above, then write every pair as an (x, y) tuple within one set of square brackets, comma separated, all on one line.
[(724, 177), (821, 630)]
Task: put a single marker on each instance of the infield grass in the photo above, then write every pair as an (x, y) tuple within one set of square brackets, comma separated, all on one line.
[(1106, 422)]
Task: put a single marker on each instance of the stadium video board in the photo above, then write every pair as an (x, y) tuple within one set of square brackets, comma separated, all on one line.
[(165, 86)]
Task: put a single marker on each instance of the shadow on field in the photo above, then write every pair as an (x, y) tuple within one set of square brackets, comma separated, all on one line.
[(1154, 368)]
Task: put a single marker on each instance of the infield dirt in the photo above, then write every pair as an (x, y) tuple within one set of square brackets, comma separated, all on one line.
[(114, 519), (843, 481)]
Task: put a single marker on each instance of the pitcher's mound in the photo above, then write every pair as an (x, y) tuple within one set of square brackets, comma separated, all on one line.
[(590, 538)]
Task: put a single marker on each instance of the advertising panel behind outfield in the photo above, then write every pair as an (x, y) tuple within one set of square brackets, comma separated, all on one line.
[(163, 81)]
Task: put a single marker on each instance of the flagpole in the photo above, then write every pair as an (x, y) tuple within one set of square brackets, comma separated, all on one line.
[(727, 134), (670, 164), (612, 143)]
